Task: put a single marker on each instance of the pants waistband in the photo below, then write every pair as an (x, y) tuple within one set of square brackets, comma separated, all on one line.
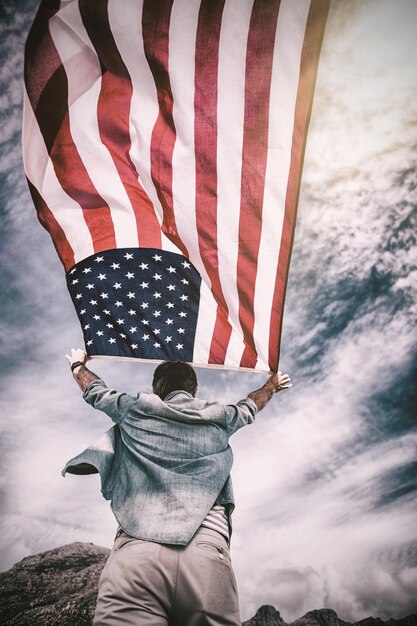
[(202, 530)]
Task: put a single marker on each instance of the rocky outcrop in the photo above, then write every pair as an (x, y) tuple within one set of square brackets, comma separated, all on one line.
[(267, 615), (59, 588), (322, 617)]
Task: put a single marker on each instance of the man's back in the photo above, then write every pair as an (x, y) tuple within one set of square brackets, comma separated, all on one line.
[(171, 461)]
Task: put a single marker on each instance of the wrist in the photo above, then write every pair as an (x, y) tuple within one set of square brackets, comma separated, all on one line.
[(270, 387), (76, 365)]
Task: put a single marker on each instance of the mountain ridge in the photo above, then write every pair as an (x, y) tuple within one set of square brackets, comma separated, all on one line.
[(268, 615)]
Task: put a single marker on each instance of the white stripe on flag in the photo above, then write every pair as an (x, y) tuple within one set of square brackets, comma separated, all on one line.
[(289, 39), (144, 108), (181, 69), (41, 173), (231, 86), (84, 82), (181, 72), (205, 325)]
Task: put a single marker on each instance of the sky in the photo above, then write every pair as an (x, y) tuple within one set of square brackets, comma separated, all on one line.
[(326, 479)]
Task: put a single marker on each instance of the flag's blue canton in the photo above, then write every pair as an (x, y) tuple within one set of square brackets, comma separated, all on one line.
[(140, 303)]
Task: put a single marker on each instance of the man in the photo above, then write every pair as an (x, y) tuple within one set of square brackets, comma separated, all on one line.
[(165, 466)]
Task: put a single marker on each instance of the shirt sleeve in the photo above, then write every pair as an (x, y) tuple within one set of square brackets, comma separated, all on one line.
[(240, 414), (113, 403)]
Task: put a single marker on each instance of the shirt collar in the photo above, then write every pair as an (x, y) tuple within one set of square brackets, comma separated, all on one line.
[(175, 393)]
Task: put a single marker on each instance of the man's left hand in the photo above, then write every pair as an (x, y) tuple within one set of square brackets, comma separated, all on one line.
[(279, 382)]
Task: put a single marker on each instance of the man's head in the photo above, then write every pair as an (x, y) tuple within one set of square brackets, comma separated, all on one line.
[(172, 376)]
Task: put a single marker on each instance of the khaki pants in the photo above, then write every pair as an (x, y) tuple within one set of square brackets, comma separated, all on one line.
[(151, 584)]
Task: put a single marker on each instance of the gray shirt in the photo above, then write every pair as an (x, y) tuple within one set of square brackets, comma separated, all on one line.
[(166, 462)]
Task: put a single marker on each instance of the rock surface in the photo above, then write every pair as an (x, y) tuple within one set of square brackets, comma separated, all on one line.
[(323, 617), (59, 588), (55, 587), (267, 615)]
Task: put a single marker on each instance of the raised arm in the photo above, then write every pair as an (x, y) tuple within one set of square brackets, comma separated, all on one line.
[(275, 383), (77, 360), (95, 392)]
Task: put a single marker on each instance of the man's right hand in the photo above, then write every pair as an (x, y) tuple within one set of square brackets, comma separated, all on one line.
[(82, 375), (77, 355)]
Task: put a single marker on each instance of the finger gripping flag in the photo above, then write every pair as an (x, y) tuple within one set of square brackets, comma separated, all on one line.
[(163, 145)]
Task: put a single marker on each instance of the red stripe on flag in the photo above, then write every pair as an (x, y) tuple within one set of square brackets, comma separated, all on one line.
[(50, 106), (48, 221), (76, 182), (45, 77), (41, 60), (259, 58), (155, 30), (205, 146), (313, 38), (114, 118)]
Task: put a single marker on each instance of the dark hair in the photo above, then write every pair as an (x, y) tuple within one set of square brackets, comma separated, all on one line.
[(172, 376)]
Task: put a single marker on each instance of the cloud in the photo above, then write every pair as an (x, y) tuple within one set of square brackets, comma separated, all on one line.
[(14, 22), (328, 479)]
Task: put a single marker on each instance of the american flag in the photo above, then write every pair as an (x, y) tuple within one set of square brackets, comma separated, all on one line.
[(163, 146)]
